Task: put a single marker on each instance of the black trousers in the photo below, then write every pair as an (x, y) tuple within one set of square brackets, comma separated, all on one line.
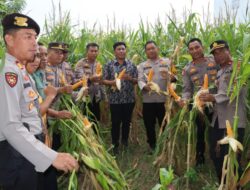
[(121, 114), (50, 175), (151, 112), (217, 153), (201, 128), (94, 107), (16, 172)]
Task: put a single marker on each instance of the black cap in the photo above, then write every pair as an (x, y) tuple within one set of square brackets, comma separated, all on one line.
[(65, 47), (19, 21), (218, 44), (56, 45)]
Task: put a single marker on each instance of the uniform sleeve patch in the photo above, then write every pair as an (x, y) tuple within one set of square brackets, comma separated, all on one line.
[(11, 79)]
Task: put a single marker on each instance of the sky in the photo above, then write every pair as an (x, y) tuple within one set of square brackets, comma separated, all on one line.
[(128, 12)]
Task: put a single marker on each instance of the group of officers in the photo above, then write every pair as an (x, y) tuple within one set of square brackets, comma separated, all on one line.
[(32, 79)]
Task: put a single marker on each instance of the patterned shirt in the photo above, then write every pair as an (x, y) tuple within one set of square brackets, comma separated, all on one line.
[(84, 68), (68, 72), (193, 76), (126, 94), (55, 76)]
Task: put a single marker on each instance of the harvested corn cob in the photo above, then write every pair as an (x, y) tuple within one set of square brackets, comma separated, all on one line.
[(118, 79), (150, 75), (229, 139), (82, 93), (173, 93), (197, 102), (98, 70), (178, 47), (153, 86), (86, 123)]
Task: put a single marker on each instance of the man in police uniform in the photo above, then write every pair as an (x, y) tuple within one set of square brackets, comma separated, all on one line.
[(153, 103), (65, 66), (54, 73), (88, 67), (23, 153), (193, 76), (223, 109)]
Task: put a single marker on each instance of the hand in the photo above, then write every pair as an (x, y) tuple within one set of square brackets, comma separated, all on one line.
[(172, 77), (95, 78), (112, 83), (205, 97), (147, 87), (50, 91), (65, 162), (181, 103), (127, 77), (67, 89), (64, 114)]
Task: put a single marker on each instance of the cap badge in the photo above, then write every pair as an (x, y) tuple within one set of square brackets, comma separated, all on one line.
[(21, 21)]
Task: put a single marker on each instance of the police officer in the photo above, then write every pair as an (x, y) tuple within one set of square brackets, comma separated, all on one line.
[(193, 76), (65, 66), (23, 153), (223, 109), (88, 67), (153, 103), (54, 73)]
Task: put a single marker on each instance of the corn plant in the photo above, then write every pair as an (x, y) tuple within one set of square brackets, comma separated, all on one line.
[(97, 166)]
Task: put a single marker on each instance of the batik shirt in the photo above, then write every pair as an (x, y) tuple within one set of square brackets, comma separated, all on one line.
[(126, 94)]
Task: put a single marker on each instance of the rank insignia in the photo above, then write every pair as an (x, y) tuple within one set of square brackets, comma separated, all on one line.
[(11, 79), (31, 94), (20, 66), (31, 105), (211, 65)]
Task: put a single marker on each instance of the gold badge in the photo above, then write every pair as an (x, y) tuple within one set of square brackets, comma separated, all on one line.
[(21, 21), (210, 64), (212, 72), (31, 105), (193, 70), (215, 45), (31, 94), (20, 66)]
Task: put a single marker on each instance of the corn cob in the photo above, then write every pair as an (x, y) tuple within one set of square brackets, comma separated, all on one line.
[(77, 85), (230, 132), (178, 47), (229, 139), (63, 80), (86, 122), (205, 82), (173, 93), (197, 102), (150, 75), (98, 69), (82, 82), (121, 74)]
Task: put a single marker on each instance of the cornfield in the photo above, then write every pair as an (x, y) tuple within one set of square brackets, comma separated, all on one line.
[(171, 152)]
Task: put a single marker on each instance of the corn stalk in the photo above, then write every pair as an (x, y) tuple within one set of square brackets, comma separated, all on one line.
[(96, 164)]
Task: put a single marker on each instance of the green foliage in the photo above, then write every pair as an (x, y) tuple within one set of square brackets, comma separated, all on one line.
[(191, 174), (166, 178)]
